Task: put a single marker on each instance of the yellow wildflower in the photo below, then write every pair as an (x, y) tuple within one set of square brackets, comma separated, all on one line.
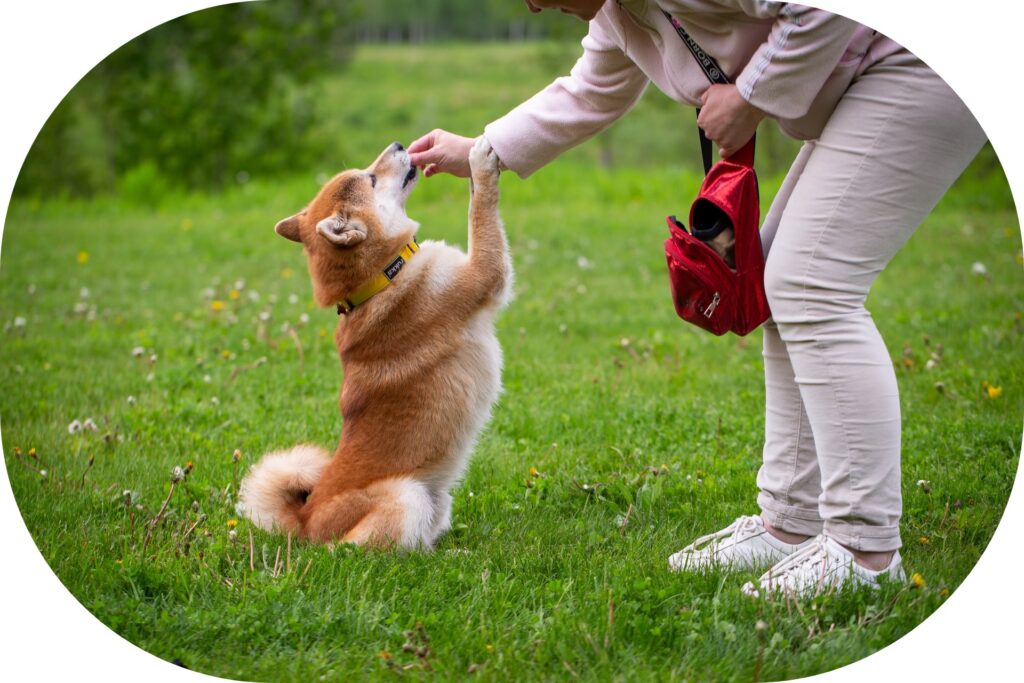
[(384, 654), (923, 540), (234, 294), (82, 257), (994, 392), (232, 523), (489, 647), (917, 580), (217, 305), (287, 273), (534, 472)]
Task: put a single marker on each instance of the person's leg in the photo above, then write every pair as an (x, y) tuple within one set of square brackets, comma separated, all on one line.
[(894, 145), (789, 481)]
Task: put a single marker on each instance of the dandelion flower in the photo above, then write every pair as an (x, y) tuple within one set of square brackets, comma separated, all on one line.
[(232, 523), (234, 295), (74, 427), (489, 647), (232, 535), (924, 540), (82, 257), (287, 273), (236, 456), (89, 424), (534, 472), (993, 392), (138, 352), (917, 580), (177, 474), (217, 305)]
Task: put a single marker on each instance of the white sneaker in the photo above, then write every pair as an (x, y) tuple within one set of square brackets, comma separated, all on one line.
[(822, 566), (744, 544)]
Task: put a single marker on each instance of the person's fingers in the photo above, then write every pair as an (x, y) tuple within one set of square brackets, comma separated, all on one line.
[(425, 142), (430, 170), (428, 157)]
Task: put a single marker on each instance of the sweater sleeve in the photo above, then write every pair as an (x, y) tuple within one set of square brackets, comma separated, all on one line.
[(602, 86), (803, 48)]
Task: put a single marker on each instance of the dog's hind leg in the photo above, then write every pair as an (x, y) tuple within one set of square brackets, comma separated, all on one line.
[(442, 521), (402, 515)]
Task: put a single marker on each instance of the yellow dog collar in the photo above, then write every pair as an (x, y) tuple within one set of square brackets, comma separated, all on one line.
[(380, 281)]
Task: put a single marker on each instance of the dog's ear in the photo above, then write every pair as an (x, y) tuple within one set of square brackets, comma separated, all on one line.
[(341, 231), (289, 228)]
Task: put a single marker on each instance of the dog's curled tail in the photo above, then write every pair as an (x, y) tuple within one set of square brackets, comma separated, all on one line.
[(277, 486)]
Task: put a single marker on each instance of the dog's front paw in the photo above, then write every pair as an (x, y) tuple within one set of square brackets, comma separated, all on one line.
[(483, 162)]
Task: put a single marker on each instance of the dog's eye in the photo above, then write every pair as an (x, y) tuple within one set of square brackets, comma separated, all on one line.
[(373, 180)]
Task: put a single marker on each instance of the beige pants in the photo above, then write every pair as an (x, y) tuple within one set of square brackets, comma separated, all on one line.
[(895, 143)]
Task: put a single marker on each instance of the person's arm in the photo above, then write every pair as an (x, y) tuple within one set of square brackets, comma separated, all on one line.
[(784, 75), (602, 86), (788, 71)]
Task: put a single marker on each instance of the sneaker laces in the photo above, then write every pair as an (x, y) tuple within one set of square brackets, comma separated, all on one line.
[(805, 561), (743, 527)]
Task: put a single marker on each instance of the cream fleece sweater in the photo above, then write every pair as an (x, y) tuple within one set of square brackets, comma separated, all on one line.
[(790, 61)]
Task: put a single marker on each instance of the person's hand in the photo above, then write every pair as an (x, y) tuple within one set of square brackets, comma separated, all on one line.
[(441, 152), (728, 119)]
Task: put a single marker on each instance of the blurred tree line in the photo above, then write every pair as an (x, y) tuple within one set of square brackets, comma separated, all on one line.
[(214, 97), (197, 99)]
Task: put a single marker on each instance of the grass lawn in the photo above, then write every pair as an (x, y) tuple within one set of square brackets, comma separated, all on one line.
[(187, 331)]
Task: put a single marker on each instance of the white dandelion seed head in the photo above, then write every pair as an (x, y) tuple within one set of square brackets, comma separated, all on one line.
[(239, 284), (583, 263), (20, 322), (74, 427), (152, 358), (215, 401), (285, 327), (89, 424), (44, 474), (80, 308), (272, 298), (304, 319), (138, 351), (83, 293), (232, 535), (264, 316), (177, 474), (209, 293), (207, 379), (293, 299), (131, 400), (253, 295), (978, 268)]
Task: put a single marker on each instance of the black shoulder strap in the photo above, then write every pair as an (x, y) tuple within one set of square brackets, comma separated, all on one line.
[(711, 69)]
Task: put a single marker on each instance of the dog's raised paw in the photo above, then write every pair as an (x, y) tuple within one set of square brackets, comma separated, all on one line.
[(483, 161)]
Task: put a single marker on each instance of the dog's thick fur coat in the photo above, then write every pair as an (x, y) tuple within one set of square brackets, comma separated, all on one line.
[(421, 362)]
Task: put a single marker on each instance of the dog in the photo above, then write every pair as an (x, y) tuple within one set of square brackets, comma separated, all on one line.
[(420, 359)]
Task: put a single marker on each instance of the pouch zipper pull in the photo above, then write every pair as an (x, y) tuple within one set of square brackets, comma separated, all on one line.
[(712, 306)]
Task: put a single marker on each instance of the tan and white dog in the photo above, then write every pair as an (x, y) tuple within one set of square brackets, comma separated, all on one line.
[(421, 362)]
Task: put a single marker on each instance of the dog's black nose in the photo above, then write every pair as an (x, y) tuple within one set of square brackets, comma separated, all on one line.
[(397, 146)]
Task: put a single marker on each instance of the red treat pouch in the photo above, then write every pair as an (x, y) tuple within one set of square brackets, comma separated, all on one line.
[(705, 290)]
